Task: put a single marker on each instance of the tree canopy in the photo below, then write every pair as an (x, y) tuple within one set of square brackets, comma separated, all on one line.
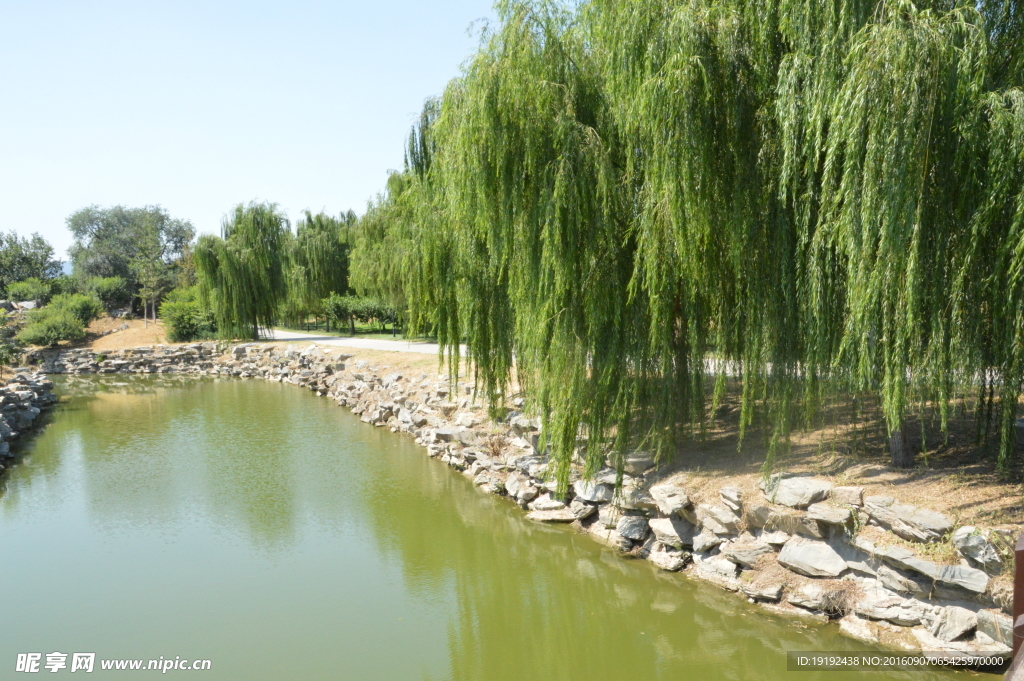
[(616, 192), (241, 274), (115, 242), (23, 258)]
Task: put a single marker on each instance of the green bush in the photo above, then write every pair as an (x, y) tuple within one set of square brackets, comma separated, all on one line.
[(29, 289), (65, 284), (84, 308), (50, 326), (185, 318), (113, 292)]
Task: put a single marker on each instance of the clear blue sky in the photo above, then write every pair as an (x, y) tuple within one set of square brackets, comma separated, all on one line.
[(198, 106)]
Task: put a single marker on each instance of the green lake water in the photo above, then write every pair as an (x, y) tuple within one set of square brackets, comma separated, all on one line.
[(270, 531)]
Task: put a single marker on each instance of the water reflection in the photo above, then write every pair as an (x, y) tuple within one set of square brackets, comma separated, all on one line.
[(319, 547)]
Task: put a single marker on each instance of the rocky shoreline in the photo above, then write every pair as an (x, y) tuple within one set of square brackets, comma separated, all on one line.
[(22, 400), (801, 547)]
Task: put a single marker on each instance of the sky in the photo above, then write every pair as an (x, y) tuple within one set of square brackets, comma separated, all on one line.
[(199, 106)]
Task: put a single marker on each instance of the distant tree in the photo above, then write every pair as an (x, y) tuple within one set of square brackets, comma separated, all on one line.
[(112, 242), (317, 263), (22, 258)]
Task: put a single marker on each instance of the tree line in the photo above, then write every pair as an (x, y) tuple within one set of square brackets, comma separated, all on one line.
[(804, 196)]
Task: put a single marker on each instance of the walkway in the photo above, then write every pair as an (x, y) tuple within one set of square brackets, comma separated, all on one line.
[(360, 343)]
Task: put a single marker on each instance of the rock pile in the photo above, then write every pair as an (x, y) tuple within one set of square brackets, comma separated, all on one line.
[(22, 400)]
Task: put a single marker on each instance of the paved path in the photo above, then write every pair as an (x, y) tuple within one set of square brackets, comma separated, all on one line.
[(359, 343)]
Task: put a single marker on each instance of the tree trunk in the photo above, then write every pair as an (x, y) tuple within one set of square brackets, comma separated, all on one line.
[(899, 449), (352, 326)]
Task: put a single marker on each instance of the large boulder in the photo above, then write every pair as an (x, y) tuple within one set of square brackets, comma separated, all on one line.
[(546, 502), (745, 554), (632, 527), (595, 493), (903, 582), (670, 499), (719, 518), (674, 532), (830, 515), (811, 558), (954, 622), (906, 521), (797, 492), (879, 604)]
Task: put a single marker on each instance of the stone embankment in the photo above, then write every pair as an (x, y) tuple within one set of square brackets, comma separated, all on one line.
[(890, 573), (22, 400)]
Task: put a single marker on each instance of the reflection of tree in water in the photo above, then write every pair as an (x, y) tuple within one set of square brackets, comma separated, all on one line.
[(532, 599)]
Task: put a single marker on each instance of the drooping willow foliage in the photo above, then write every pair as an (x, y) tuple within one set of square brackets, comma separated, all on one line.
[(317, 263), (631, 198), (241, 274)]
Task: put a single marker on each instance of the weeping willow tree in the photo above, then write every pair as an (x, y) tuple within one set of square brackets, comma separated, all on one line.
[(316, 263), (241, 275), (636, 199)]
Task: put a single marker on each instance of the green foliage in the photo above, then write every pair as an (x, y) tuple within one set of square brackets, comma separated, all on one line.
[(113, 292), (29, 289), (349, 308), (50, 326), (22, 258), (242, 275), (111, 242), (185, 318), (819, 193), (85, 308), (317, 264)]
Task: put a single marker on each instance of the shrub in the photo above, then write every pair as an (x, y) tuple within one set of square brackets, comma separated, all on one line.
[(50, 326), (65, 284), (84, 308), (113, 292), (29, 289), (185, 318)]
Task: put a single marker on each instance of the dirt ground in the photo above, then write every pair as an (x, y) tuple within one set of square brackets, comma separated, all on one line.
[(123, 334)]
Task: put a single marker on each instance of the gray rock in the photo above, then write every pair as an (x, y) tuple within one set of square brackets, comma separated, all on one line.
[(674, 532), (670, 499), (775, 539), (809, 595), (608, 516), (967, 578), (562, 516), (811, 558), (799, 492), (609, 537), (716, 566), (745, 554), (879, 604), (519, 488), (593, 492), (638, 464), (632, 527), (785, 520), (829, 514), (706, 540), (582, 509), (444, 435), (732, 498), (546, 502), (634, 498), (903, 582), (848, 496), (718, 518), (954, 622), (997, 626), (973, 546), (670, 561), (767, 591), (906, 521)]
